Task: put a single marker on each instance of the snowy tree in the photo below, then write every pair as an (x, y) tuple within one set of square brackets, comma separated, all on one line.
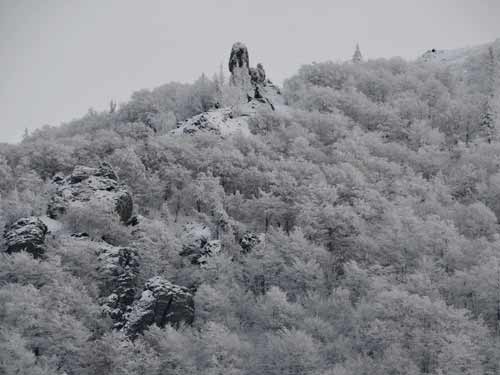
[(357, 57), (489, 115)]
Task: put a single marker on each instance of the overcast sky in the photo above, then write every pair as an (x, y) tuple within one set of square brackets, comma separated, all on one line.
[(58, 58)]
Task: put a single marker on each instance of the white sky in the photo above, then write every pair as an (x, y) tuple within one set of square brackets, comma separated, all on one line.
[(58, 58)]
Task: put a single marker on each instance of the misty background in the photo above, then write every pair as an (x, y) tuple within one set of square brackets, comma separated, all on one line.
[(60, 58)]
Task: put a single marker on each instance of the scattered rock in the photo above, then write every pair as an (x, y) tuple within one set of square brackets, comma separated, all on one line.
[(26, 234), (87, 183), (161, 303), (118, 271)]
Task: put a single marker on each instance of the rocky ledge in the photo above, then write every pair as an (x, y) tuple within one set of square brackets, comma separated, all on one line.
[(26, 234), (85, 184)]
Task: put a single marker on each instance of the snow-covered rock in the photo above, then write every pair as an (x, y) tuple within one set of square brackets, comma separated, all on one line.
[(219, 121), (26, 234), (238, 58), (85, 184), (257, 93), (118, 269), (161, 303)]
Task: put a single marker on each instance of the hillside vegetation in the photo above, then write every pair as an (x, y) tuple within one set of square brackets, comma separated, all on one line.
[(371, 202)]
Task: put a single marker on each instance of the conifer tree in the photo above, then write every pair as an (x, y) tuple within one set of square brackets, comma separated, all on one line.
[(488, 116), (357, 57)]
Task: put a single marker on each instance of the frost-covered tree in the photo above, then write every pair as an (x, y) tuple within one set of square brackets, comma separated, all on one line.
[(489, 116), (357, 57)]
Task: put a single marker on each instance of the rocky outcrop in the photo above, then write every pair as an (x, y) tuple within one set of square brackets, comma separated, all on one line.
[(258, 75), (197, 243), (238, 59), (26, 234), (253, 92), (249, 240), (252, 81), (85, 184), (239, 66), (161, 303), (118, 268)]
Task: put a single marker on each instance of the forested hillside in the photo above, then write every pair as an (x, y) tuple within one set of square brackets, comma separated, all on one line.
[(351, 229)]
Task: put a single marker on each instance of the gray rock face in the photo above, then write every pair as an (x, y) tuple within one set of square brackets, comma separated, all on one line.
[(26, 234), (258, 75), (239, 66), (239, 57), (197, 243), (161, 303), (118, 269), (85, 184), (252, 80)]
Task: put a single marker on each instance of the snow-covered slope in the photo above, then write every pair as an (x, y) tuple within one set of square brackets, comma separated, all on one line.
[(460, 58)]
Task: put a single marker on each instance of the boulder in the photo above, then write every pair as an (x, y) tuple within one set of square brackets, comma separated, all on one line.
[(118, 269), (197, 243), (161, 303), (258, 75), (87, 183), (26, 234)]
